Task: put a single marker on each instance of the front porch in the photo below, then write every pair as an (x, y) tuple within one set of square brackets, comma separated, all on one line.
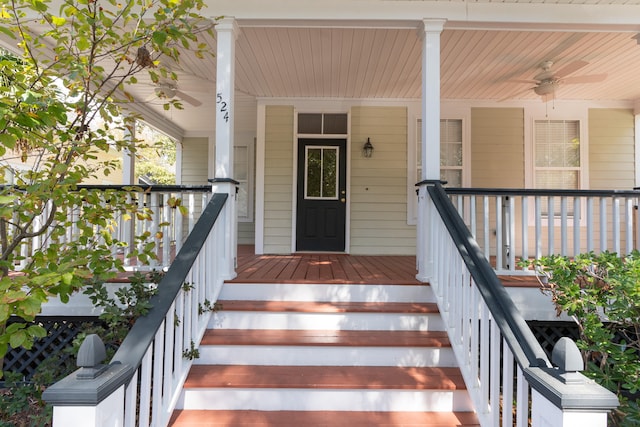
[(463, 300)]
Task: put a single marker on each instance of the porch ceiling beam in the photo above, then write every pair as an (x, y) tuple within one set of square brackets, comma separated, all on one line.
[(348, 11)]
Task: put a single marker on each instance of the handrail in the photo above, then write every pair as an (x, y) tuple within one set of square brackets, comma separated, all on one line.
[(145, 187), (512, 224), (540, 192), (147, 371), (134, 346), (524, 345), (509, 377)]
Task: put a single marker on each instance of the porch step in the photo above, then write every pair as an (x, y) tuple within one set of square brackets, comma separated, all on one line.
[(209, 418), (329, 347), (327, 292), (325, 354), (321, 388), (323, 315)]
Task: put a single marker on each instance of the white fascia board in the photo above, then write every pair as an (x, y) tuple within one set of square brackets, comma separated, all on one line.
[(407, 13)]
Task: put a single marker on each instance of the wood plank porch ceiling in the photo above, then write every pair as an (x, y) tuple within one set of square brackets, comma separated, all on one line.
[(324, 268)]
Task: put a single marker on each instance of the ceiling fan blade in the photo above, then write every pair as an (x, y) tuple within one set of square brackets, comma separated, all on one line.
[(570, 68), (188, 98), (527, 81), (515, 95), (591, 78)]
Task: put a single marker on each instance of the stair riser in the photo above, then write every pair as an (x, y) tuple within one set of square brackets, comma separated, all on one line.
[(323, 355), (324, 292), (324, 400), (325, 321)]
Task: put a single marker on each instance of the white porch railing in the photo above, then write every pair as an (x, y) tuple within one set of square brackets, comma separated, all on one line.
[(170, 213), (511, 224), (508, 375), (141, 385)]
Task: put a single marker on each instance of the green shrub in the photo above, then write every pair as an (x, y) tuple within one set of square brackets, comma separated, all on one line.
[(602, 294)]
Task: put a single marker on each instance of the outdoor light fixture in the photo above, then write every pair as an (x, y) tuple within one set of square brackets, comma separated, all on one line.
[(367, 148)]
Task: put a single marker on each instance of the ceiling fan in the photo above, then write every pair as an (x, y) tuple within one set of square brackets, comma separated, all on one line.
[(548, 81), (169, 90)]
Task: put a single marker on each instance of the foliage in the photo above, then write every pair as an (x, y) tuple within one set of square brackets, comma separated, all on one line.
[(120, 310), (61, 101), (602, 293), (157, 159), (21, 402)]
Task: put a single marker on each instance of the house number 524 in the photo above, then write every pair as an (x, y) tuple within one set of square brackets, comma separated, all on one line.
[(223, 107)]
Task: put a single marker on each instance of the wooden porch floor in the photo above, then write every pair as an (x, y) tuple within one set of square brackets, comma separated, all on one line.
[(324, 268)]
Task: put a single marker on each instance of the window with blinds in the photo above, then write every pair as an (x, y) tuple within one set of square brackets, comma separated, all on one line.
[(450, 151), (557, 155)]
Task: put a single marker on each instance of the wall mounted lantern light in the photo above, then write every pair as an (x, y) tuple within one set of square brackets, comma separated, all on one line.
[(367, 148)]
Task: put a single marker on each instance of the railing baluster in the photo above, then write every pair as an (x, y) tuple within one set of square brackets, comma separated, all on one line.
[(603, 224), (550, 225), (499, 233), (525, 227), (577, 207), (145, 388), (507, 385), (522, 399), (538, 220), (590, 245), (563, 226), (485, 227), (511, 234), (615, 213), (628, 235)]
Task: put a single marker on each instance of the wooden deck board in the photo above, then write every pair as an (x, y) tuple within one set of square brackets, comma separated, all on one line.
[(324, 268)]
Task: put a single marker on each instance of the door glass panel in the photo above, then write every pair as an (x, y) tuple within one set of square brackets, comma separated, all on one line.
[(321, 176), (329, 181), (335, 124), (310, 123)]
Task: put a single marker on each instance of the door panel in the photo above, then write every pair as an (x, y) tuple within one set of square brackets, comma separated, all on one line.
[(321, 212)]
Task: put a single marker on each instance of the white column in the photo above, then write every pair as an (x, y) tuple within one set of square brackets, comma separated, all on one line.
[(226, 34), (128, 158), (430, 139), (431, 98)]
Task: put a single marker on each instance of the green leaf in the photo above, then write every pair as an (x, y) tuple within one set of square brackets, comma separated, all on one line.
[(17, 339), (159, 37), (58, 21)]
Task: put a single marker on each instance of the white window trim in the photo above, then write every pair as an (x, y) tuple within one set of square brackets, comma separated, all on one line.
[(567, 113), (581, 114), (250, 177), (451, 113)]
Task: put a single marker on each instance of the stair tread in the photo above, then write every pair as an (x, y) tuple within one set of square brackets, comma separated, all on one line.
[(325, 377), (350, 338), (211, 418), (330, 307)]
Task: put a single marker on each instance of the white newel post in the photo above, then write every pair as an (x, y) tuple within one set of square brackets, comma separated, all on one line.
[(430, 138), (108, 413), (546, 414), (226, 33)]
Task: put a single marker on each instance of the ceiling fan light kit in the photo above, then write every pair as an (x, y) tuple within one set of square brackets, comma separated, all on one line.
[(548, 81), (165, 91)]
